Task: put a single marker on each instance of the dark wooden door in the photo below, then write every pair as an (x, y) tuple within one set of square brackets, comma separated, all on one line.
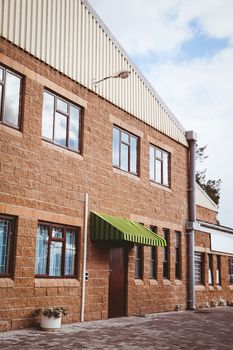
[(117, 282)]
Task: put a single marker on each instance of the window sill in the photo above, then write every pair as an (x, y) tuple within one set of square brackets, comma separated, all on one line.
[(6, 283), (231, 286), (166, 282), (56, 282), (219, 287), (161, 187), (122, 172), (10, 130), (178, 283), (200, 288), (61, 150), (153, 282), (211, 287), (138, 282)]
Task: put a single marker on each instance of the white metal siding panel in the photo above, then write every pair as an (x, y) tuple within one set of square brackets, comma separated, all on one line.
[(69, 36), (203, 200)]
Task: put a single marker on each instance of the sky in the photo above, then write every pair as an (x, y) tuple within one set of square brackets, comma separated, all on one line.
[(185, 49)]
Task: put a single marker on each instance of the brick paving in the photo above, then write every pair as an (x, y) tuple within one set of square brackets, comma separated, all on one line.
[(209, 329)]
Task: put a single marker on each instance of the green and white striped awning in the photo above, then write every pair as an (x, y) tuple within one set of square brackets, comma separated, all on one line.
[(106, 227)]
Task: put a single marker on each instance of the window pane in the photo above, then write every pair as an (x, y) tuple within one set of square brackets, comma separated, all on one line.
[(47, 118), (0, 99), (41, 250), (165, 169), (158, 154), (115, 147), (57, 232), (152, 163), (198, 268), (158, 169), (124, 137), (11, 103), (133, 154), (62, 106), (4, 246), (74, 128), (1, 74), (124, 157), (55, 258), (70, 253), (60, 129)]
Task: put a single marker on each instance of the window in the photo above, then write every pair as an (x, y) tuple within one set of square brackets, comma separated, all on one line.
[(61, 122), (153, 257), (210, 270), (166, 255), (230, 269), (56, 250), (139, 262), (178, 255), (159, 166), (199, 268), (218, 270), (10, 97), (125, 151), (6, 244)]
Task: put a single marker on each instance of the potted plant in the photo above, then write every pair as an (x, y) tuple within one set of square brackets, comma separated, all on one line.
[(51, 317)]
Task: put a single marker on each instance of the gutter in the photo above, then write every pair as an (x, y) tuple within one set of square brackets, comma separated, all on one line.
[(191, 137)]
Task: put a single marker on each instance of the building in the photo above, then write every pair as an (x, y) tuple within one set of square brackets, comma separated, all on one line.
[(75, 159)]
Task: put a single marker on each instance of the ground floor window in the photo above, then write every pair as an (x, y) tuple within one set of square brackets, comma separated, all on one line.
[(218, 269), (210, 270), (230, 269), (56, 250), (138, 262), (199, 268), (166, 254), (6, 242)]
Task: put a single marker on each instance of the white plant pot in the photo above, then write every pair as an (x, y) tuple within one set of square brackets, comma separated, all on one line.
[(50, 323)]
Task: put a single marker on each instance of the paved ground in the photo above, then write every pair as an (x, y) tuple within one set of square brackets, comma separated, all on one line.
[(210, 329)]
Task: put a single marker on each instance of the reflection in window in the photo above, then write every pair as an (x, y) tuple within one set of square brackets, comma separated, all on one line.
[(199, 268), (56, 251), (159, 166), (61, 122), (10, 88), (125, 150)]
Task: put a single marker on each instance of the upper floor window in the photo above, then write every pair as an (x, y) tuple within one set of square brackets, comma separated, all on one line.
[(125, 151), (10, 96), (199, 268), (178, 255), (230, 269), (166, 254), (61, 122), (159, 166), (56, 250), (6, 243)]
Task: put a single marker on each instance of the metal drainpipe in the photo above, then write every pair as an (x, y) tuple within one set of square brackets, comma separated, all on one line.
[(191, 137), (84, 257)]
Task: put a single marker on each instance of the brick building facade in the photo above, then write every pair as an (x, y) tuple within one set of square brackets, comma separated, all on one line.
[(44, 178)]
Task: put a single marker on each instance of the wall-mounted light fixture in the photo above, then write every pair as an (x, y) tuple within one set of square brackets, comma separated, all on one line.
[(123, 74)]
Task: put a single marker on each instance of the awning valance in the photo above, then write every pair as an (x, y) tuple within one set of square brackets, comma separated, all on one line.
[(106, 227)]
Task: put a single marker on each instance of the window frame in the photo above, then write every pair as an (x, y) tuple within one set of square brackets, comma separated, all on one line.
[(178, 256), (67, 115), (63, 240), (130, 135), (210, 270), (2, 104), (166, 254), (11, 248), (218, 270), (161, 160), (139, 261), (201, 262), (230, 270)]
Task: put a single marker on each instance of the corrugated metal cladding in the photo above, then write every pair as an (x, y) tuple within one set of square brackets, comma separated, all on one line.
[(67, 35)]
